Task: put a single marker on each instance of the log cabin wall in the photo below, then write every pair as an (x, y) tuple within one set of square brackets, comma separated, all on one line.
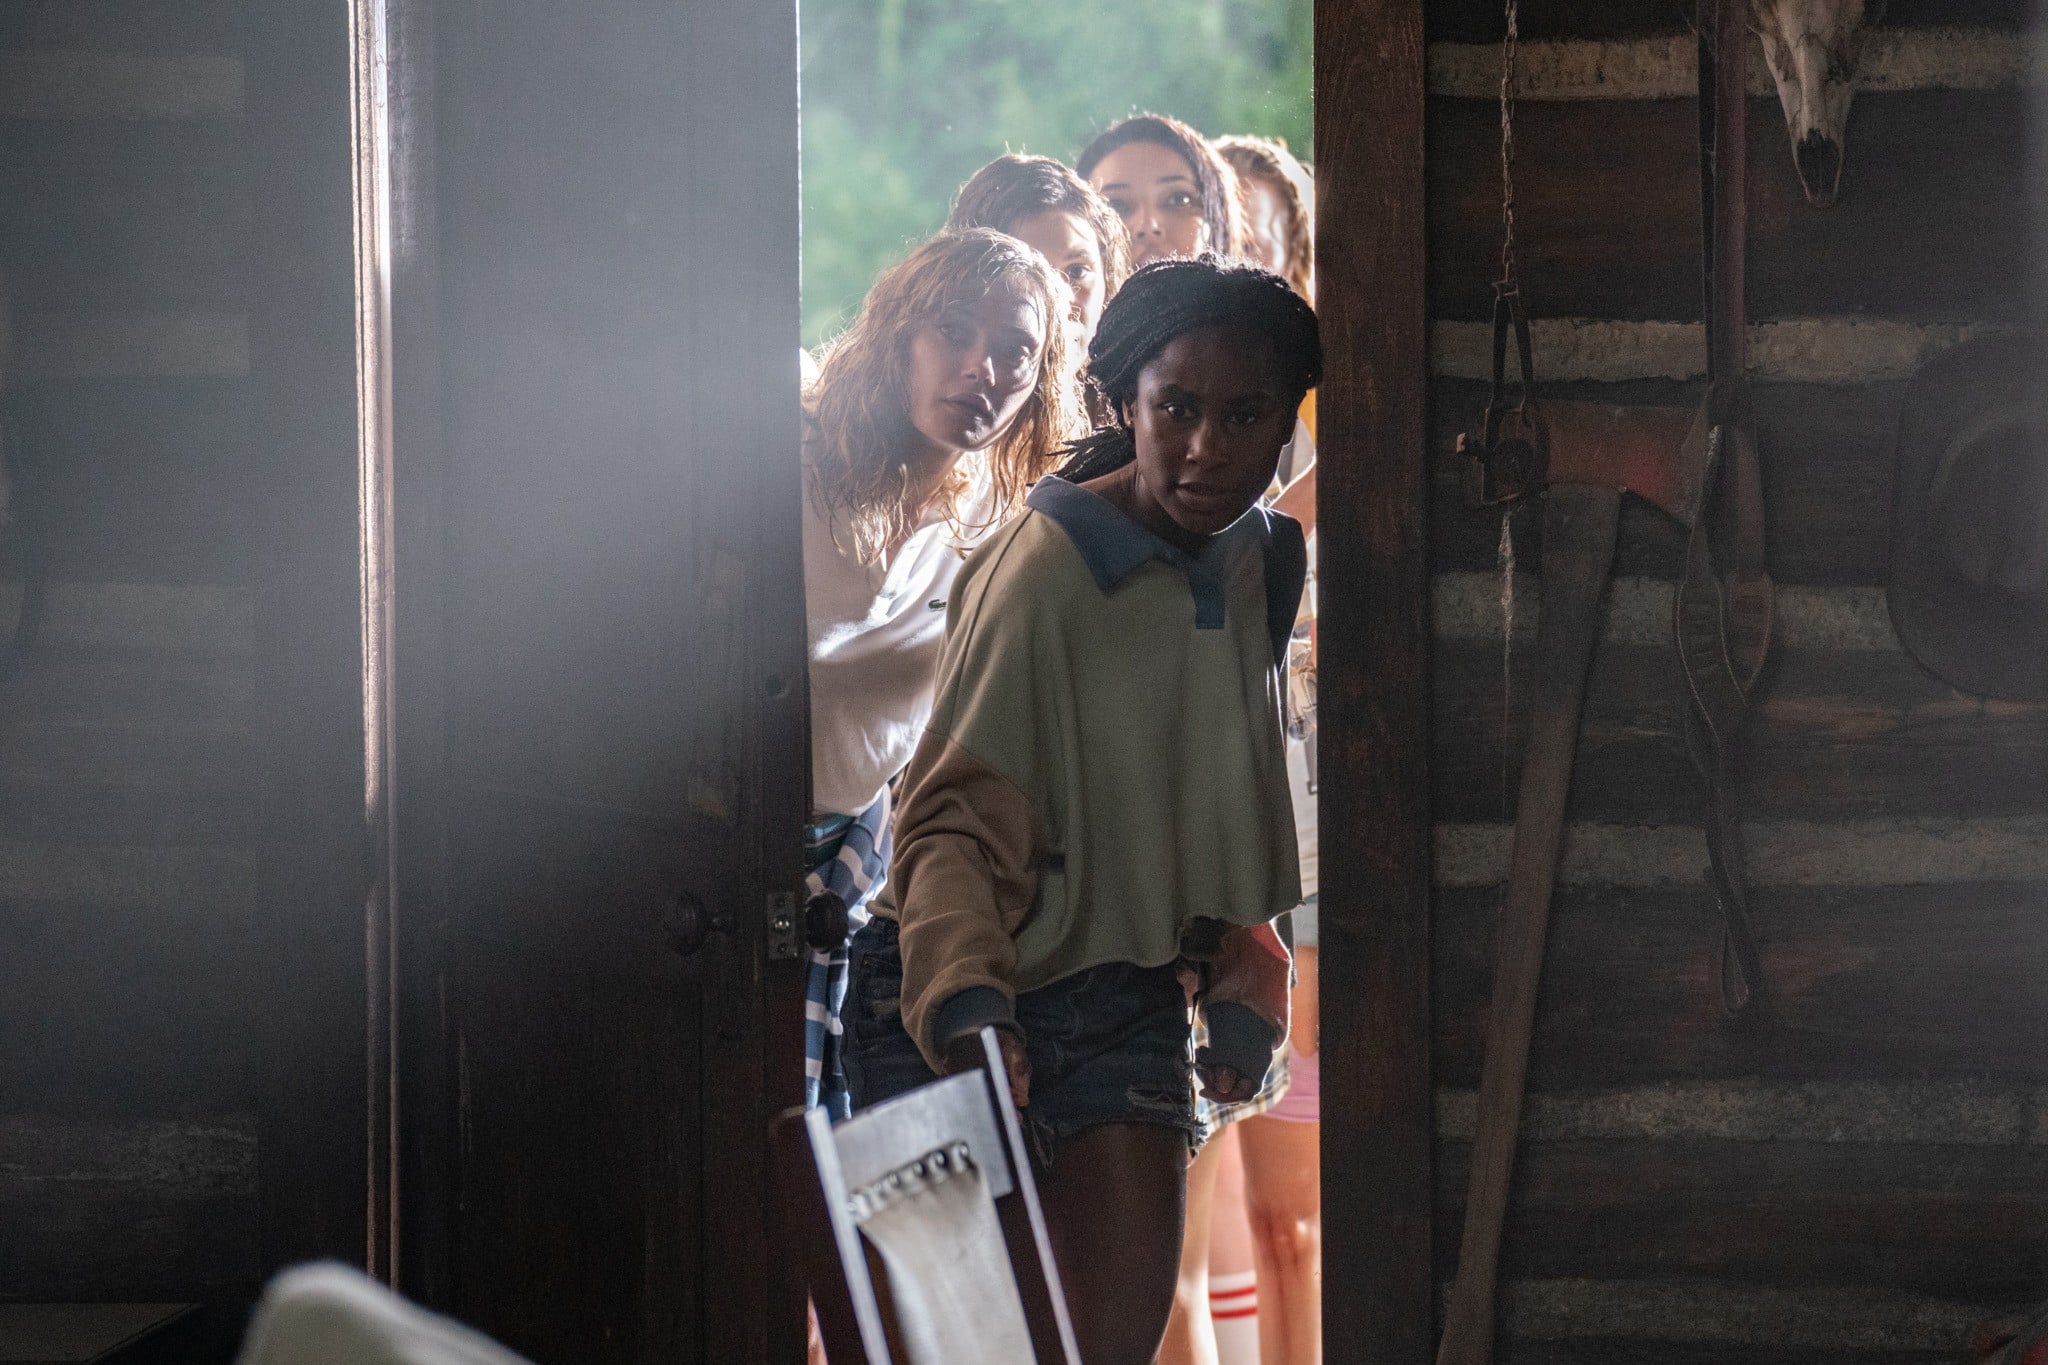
[(1868, 1177), (181, 905)]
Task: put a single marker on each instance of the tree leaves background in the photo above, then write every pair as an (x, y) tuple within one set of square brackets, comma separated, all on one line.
[(904, 99)]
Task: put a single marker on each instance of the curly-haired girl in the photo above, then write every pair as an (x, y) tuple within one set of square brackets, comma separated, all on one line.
[(930, 416)]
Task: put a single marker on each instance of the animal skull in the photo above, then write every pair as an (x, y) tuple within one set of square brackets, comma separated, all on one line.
[(1814, 48)]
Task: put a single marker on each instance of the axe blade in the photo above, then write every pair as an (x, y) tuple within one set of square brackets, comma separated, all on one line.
[(1653, 453)]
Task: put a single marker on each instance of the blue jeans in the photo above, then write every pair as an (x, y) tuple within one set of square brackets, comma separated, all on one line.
[(1111, 1044)]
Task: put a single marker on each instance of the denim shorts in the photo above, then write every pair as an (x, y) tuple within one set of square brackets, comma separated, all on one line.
[(1111, 1044)]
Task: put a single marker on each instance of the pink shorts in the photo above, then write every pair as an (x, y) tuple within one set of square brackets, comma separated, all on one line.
[(1303, 1102)]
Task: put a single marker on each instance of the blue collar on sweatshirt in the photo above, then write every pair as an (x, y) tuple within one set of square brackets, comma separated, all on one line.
[(1114, 547)]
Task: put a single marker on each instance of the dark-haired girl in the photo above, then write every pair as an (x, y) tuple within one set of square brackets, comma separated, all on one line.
[(1177, 197), (1100, 801), (1054, 212)]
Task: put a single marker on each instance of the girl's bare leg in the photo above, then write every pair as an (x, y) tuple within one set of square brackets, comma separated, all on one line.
[(1115, 1201), (1283, 1192), (1233, 1279), (1284, 1196), (814, 1344), (1190, 1336)]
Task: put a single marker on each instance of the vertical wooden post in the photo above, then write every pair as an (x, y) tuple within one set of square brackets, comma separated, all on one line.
[(1379, 1291), (318, 1122), (424, 1093)]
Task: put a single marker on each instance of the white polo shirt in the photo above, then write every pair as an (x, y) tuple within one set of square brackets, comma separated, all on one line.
[(1296, 459), (875, 632)]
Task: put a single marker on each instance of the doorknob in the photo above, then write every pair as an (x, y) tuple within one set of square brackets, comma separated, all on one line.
[(825, 921), (686, 924)]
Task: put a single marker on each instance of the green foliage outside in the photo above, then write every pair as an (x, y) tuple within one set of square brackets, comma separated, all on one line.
[(904, 99)]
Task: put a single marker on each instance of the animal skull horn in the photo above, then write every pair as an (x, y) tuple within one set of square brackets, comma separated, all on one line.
[(1814, 48)]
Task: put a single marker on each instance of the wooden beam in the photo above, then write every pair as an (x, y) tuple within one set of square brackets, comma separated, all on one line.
[(1735, 1317), (1379, 1290), (140, 1006), (1837, 853), (201, 619), (85, 85), (1662, 67), (135, 492), (133, 26), (1842, 734), (1634, 1350), (131, 346), (1607, 209), (1957, 1112), (1867, 983), (1911, 1218), (1479, 21), (1833, 350), (1637, 611), (125, 218)]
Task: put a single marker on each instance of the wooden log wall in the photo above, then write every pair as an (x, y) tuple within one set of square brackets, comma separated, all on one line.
[(156, 893), (1866, 1178)]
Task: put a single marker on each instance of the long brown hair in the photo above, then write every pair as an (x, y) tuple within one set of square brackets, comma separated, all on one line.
[(857, 411), (1012, 188), (1267, 161), (1215, 182)]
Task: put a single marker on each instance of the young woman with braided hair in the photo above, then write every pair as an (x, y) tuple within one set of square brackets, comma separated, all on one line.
[(1099, 803), (1177, 197)]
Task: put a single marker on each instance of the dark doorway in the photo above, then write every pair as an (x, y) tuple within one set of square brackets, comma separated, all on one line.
[(597, 698)]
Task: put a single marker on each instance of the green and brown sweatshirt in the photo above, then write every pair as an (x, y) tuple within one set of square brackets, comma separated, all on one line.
[(1104, 764)]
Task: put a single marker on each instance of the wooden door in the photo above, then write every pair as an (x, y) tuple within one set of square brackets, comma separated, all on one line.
[(597, 506)]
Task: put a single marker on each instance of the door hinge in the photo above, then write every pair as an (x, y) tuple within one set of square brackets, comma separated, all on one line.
[(785, 939)]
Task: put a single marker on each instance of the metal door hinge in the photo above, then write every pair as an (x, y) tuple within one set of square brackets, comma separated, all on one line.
[(785, 942)]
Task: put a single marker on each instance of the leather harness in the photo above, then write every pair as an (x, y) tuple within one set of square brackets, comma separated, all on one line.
[(1722, 618)]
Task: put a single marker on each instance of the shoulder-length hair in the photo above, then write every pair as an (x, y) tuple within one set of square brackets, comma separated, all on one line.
[(1215, 182), (857, 411), (1012, 188), (1267, 161)]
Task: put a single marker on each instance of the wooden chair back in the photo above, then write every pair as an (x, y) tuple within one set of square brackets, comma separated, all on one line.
[(921, 1229)]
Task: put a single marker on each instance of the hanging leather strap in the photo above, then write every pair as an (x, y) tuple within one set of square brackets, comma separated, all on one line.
[(1723, 625), (1723, 613), (1509, 317), (1509, 462)]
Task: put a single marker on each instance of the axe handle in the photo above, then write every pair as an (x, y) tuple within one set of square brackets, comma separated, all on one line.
[(1579, 524)]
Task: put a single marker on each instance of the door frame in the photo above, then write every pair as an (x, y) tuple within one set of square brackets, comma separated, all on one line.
[(1379, 1289), (1379, 1298)]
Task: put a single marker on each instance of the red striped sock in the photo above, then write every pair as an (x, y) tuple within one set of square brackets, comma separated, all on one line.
[(1234, 1308)]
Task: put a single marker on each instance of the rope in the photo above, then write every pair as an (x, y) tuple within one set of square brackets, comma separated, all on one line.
[(1510, 265), (1505, 554), (1509, 286)]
